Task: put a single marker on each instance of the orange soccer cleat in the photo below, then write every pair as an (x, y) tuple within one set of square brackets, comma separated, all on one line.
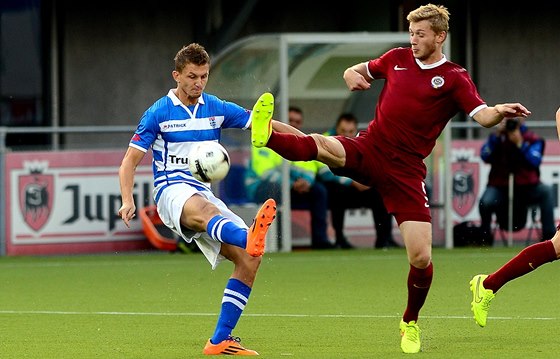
[(256, 234), (230, 346)]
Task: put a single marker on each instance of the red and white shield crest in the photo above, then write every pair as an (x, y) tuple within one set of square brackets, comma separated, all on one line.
[(36, 191), (465, 185)]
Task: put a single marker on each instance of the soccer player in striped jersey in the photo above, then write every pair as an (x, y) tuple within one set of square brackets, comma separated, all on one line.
[(170, 127), (423, 90)]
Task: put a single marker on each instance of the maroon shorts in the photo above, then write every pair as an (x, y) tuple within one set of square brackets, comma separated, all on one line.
[(398, 177)]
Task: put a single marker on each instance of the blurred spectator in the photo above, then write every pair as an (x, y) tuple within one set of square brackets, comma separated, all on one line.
[(344, 193), (514, 149), (264, 180)]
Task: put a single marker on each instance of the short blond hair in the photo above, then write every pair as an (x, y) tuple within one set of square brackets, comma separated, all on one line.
[(437, 15)]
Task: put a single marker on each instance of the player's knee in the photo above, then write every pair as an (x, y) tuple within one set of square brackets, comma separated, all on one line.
[(198, 220), (329, 151), (421, 260)]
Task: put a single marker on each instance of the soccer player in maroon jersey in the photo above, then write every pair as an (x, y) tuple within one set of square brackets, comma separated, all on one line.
[(422, 92), (484, 287)]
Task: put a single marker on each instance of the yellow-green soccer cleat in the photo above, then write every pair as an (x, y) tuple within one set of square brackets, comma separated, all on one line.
[(481, 299), (261, 122), (410, 333)]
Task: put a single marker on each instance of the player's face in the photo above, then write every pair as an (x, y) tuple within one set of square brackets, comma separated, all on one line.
[(424, 41), (295, 119), (192, 80)]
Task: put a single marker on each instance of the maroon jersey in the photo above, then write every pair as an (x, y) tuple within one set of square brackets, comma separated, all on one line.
[(416, 103), (418, 100)]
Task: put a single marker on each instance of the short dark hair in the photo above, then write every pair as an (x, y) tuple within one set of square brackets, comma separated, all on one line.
[(191, 54), (295, 109), (346, 116)]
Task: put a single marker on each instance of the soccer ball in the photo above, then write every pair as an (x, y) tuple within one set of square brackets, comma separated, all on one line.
[(209, 161)]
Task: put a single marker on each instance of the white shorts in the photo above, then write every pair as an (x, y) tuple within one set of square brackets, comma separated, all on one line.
[(170, 206)]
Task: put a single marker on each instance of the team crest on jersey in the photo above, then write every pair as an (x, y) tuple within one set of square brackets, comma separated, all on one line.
[(213, 122), (465, 183), (36, 191), (437, 82)]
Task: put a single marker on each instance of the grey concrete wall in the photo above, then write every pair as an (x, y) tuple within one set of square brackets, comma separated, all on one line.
[(117, 60), (518, 56)]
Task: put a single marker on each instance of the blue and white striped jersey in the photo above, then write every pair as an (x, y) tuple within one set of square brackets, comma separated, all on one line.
[(171, 129)]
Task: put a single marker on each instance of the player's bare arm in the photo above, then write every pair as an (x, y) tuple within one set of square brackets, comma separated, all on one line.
[(127, 169), (359, 186), (357, 78), (491, 116)]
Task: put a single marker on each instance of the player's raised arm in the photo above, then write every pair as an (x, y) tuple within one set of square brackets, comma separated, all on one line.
[(491, 116), (357, 78)]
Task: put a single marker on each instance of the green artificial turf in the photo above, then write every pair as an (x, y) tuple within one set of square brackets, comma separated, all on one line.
[(315, 304)]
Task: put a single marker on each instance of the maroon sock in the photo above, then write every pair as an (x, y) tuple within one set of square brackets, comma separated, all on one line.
[(419, 282), (524, 262), (293, 147)]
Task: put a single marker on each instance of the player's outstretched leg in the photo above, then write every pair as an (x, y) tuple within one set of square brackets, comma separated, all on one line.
[(481, 299), (230, 346), (256, 235), (261, 124), (410, 333)]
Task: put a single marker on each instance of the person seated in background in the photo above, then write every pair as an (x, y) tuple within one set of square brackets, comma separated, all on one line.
[(264, 180), (514, 149), (344, 193)]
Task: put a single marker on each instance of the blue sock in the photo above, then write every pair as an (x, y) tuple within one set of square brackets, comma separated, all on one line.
[(223, 230), (235, 298)]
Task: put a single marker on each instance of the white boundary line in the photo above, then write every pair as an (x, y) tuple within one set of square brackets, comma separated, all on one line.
[(266, 315)]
